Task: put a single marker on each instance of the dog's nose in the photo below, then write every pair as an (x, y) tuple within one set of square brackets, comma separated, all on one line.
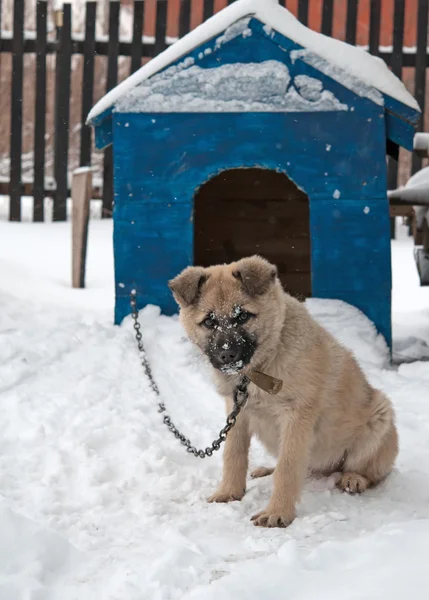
[(228, 356)]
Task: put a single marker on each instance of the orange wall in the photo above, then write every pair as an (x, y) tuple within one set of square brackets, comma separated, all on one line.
[(315, 16)]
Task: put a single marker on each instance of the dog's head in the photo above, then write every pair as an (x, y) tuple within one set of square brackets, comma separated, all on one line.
[(234, 313)]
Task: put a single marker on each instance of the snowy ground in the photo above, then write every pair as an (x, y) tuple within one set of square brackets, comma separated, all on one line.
[(97, 501)]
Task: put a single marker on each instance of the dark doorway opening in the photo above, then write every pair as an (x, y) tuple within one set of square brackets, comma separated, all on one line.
[(241, 212)]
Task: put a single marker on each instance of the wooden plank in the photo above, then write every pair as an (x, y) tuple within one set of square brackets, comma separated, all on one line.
[(241, 190), (254, 211), (154, 215), (270, 214), (417, 233), (136, 44), (208, 9), (62, 113), (425, 240), (40, 112), (263, 219), (101, 49), (327, 16), (27, 189), (401, 210), (398, 37), (161, 26), (303, 11), (16, 111), (213, 241), (351, 21), (296, 284), (81, 196), (374, 27), (185, 17), (420, 74), (396, 64), (112, 79), (88, 83)]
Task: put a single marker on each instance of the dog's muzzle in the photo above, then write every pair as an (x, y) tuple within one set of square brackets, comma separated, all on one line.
[(231, 355)]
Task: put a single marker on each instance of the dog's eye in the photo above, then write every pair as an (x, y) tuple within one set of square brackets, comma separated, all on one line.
[(210, 322), (243, 317)]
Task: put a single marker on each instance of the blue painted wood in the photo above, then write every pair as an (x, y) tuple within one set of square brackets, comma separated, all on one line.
[(351, 255), (337, 158), (326, 154), (403, 111), (104, 133), (376, 305), (350, 243), (152, 244), (399, 131), (264, 45), (321, 152)]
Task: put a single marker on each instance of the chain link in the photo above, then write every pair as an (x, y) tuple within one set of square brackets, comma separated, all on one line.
[(240, 396)]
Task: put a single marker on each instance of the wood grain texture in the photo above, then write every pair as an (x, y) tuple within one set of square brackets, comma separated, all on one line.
[(81, 197), (247, 211)]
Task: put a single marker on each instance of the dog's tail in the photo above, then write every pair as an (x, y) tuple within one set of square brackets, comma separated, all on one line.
[(377, 444), (381, 415)]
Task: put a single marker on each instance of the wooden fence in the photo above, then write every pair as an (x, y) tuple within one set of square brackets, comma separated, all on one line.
[(64, 45)]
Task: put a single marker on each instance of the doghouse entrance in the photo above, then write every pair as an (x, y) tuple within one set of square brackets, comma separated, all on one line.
[(254, 211)]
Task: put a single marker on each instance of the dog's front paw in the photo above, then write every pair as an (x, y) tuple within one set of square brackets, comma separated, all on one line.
[(273, 517), (352, 483), (226, 495)]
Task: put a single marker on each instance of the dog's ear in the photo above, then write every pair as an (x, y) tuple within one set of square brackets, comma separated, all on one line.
[(256, 274), (187, 285)]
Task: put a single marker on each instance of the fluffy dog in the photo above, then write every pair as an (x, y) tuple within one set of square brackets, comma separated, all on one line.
[(327, 418)]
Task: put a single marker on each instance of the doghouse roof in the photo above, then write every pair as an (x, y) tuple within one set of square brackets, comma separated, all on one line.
[(352, 67)]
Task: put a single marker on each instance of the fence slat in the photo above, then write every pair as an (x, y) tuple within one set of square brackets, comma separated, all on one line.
[(88, 83), (327, 16), (398, 37), (396, 64), (65, 45), (136, 44), (40, 112), (420, 75), (112, 79), (81, 189), (62, 113), (208, 9), (101, 49), (161, 26), (374, 27), (303, 11), (16, 111), (185, 17), (351, 21)]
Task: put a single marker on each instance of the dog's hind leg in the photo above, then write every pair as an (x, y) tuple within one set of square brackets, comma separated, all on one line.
[(261, 472), (373, 456)]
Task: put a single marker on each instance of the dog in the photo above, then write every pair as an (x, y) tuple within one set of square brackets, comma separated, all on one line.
[(326, 419)]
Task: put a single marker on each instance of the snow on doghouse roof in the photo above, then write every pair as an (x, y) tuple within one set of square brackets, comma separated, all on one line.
[(349, 60)]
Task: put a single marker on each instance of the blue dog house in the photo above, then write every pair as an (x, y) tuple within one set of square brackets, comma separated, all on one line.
[(253, 134)]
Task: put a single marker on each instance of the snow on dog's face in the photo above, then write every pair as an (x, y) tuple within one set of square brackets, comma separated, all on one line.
[(231, 312)]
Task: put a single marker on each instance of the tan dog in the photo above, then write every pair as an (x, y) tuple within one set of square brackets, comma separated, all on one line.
[(327, 418)]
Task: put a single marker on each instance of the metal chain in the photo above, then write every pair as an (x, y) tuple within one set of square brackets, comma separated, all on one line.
[(241, 395)]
